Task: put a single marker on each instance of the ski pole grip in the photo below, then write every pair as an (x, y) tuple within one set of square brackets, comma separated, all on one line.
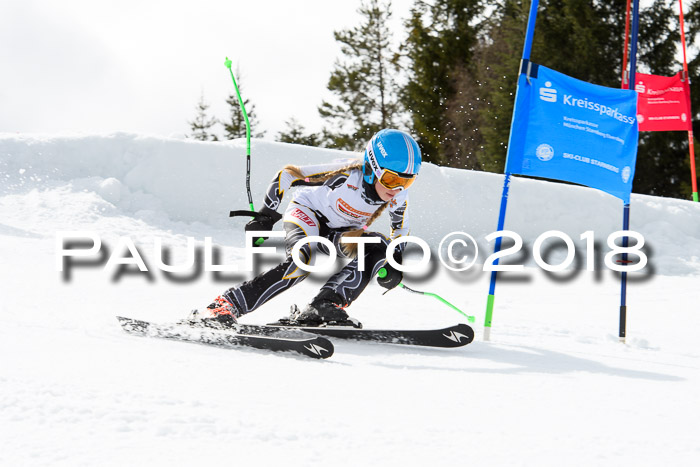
[(246, 213)]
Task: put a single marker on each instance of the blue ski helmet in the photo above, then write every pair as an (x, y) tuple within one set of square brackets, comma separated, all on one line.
[(391, 150)]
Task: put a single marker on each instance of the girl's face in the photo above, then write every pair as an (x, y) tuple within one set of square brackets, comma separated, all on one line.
[(384, 193)]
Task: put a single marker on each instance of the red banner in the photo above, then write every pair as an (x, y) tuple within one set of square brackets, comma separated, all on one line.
[(663, 103)]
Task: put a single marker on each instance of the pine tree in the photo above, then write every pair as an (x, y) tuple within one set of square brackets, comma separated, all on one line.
[(499, 62), (663, 165), (201, 124), (580, 38), (439, 49), (692, 27), (235, 127), (585, 40), (295, 134), (363, 82)]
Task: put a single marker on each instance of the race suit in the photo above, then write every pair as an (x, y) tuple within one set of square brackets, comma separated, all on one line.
[(329, 209)]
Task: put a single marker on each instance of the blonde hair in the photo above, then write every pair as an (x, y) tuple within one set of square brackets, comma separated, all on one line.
[(350, 249), (321, 177)]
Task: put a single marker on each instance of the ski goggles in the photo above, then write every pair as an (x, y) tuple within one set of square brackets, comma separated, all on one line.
[(396, 181)]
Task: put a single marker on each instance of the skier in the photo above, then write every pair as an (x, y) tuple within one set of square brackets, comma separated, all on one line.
[(341, 200)]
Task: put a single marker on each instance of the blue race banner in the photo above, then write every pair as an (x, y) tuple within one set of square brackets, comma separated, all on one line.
[(567, 129)]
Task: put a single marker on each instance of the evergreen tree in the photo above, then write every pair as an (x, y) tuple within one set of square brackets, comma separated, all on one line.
[(295, 133), (580, 38), (235, 126), (585, 40), (439, 49), (201, 124), (500, 50), (363, 82), (663, 165), (692, 31)]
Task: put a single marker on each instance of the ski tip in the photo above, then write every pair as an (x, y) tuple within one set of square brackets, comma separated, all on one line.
[(124, 321), (133, 326), (127, 321)]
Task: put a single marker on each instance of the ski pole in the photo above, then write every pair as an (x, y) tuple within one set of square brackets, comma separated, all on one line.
[(227, 63), (382, 273)]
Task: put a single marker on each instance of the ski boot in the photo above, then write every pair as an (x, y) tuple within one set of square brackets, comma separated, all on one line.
[(324, 310), (223, 315)]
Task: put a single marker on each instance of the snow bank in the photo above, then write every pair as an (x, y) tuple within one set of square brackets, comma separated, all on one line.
[(553, 384), (195, 184)]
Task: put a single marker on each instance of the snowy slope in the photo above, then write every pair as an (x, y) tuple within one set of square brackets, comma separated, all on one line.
[(553, 387)]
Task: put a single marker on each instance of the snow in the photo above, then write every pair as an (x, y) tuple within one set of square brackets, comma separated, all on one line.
[(552, 387)]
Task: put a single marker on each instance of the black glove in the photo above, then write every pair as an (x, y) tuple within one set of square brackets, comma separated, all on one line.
[(391, 279), (265, 220)]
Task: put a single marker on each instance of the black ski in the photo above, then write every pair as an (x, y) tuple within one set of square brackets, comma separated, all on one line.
[(453, 336), (274, 339)]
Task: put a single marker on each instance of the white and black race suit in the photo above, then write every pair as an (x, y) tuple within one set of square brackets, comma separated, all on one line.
[(342, 203)]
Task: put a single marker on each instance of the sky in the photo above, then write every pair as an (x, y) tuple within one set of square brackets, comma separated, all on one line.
[(99, 66)]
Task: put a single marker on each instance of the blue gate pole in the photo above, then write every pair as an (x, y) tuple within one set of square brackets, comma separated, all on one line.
[(527, 48), (626, 209), (497, 247)]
